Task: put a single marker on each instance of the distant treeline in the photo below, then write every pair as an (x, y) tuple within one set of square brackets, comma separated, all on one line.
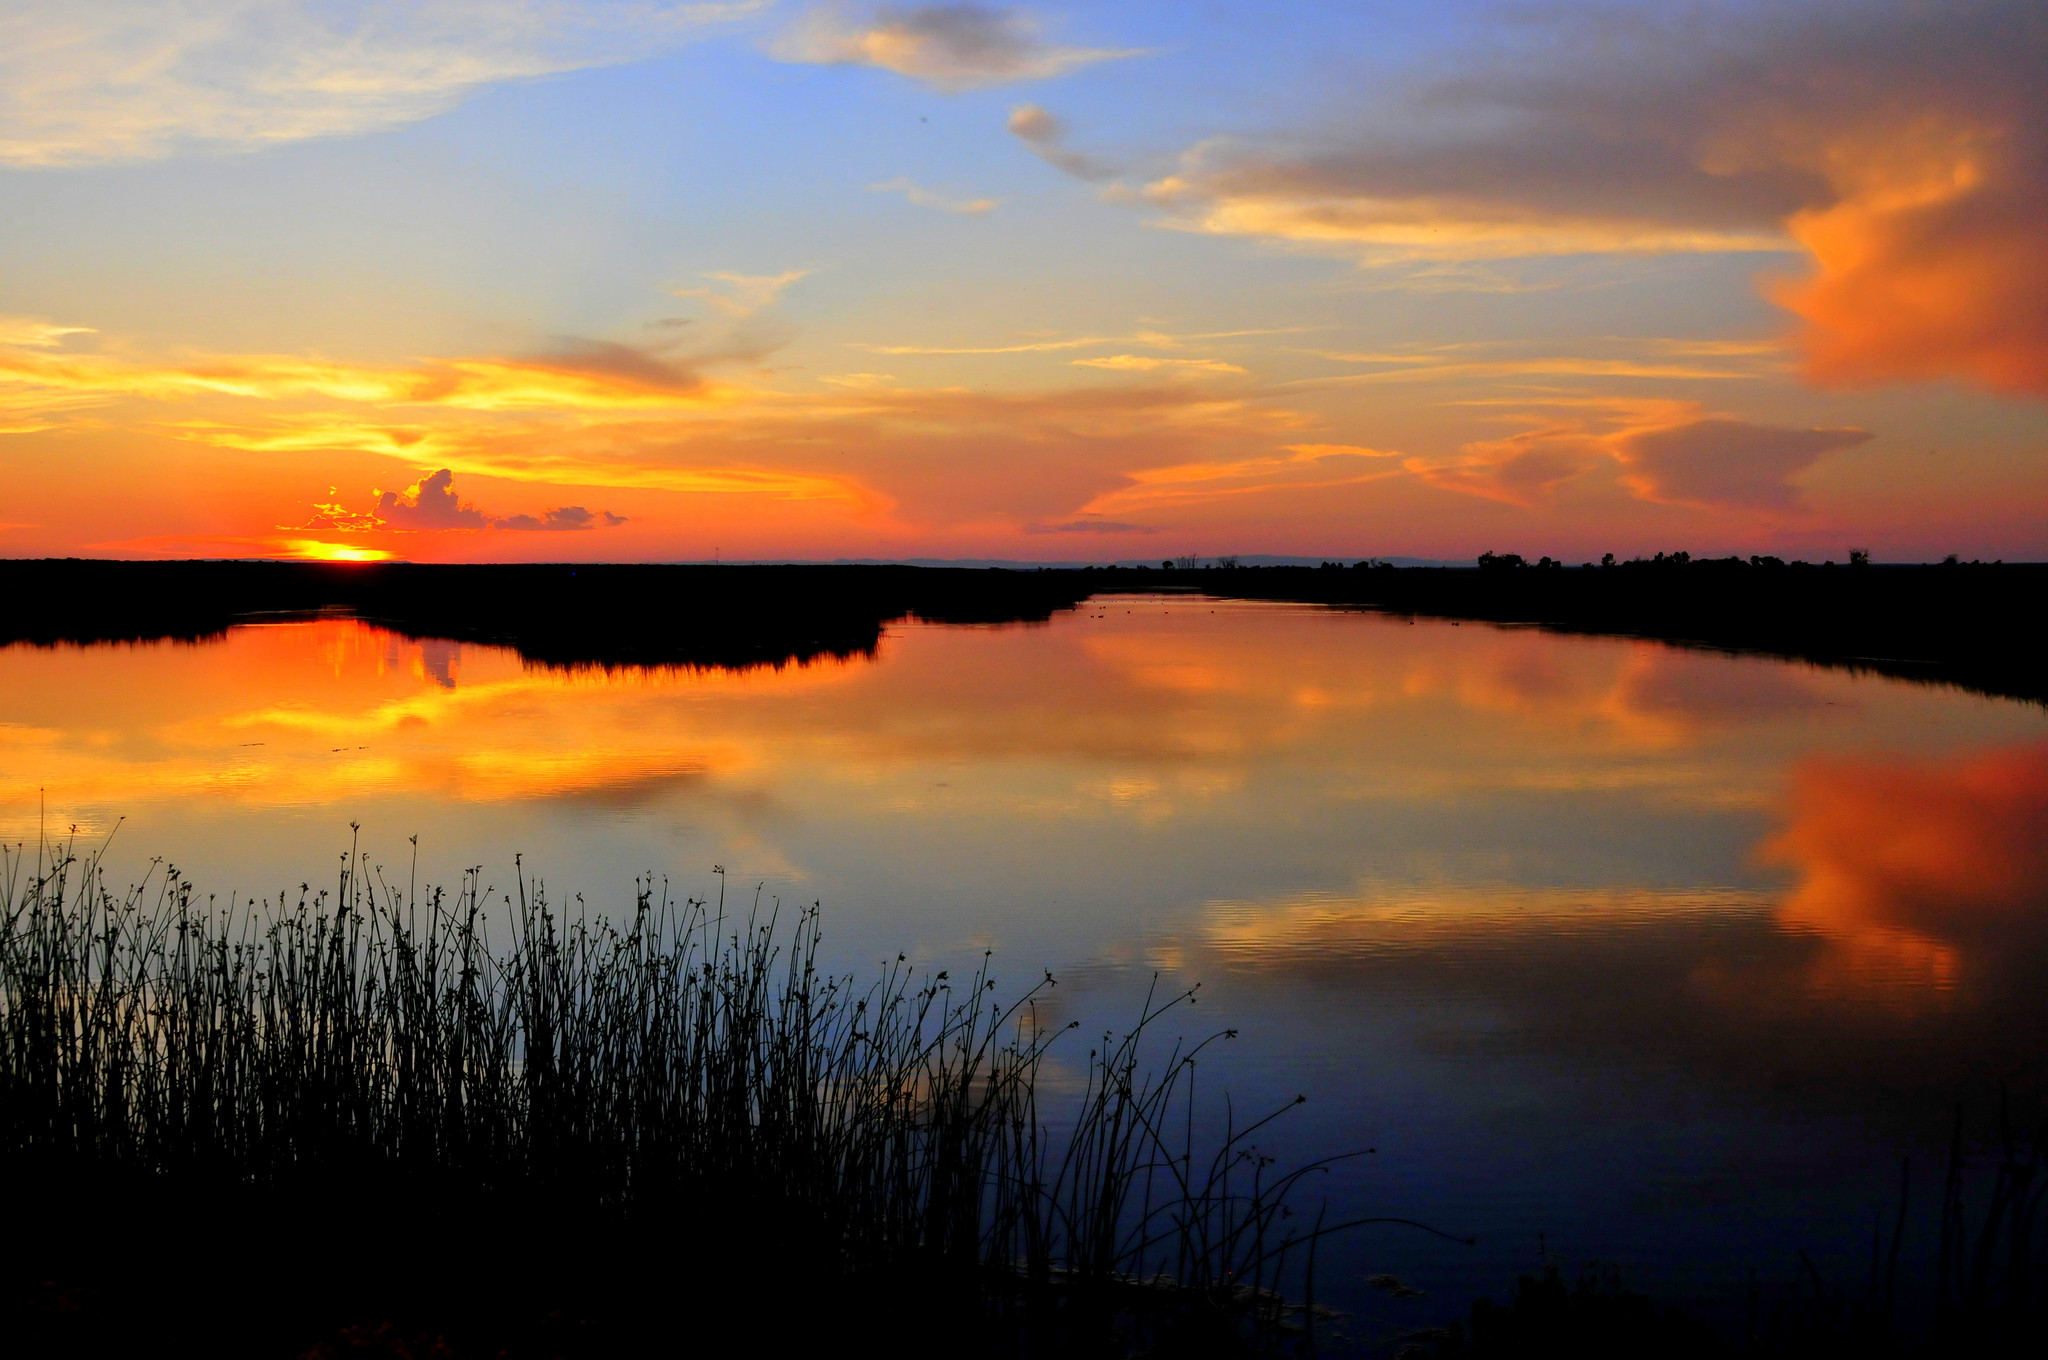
[(1971, 624), (567, 615)]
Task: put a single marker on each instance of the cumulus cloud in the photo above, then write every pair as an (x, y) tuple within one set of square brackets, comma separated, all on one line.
[(1046, 135), (921, 197), (1902, 147), (1728, 463), (432, 504), (949, 47), (119, 80)]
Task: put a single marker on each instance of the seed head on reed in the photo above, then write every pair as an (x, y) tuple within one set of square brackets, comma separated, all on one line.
[(688, 1061)]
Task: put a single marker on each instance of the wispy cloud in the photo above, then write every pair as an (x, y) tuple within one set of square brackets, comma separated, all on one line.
[(33, 332), (123, 80), (1296, 466), (1560, 366), (573, 374), (1091, 526), (1228, 190), (1653, 357), (1149, 363), (949, 47), (865, 451), (1046, 135), (1147, 339), (742, 295), (922, 197)]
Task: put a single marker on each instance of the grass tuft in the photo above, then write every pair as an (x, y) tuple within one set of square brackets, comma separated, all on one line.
[(688, 1080)]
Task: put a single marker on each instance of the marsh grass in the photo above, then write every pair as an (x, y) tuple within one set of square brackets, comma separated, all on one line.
[(682, 1093)]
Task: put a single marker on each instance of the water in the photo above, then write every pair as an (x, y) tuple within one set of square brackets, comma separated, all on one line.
[(1609, 950)]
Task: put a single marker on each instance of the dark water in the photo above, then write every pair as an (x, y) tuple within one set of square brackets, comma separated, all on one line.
[(1610, 950)]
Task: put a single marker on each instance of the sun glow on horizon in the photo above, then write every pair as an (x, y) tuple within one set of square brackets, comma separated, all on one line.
[(313, 550)]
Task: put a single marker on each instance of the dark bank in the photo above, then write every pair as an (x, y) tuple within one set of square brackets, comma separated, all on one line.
[(1974, 625)]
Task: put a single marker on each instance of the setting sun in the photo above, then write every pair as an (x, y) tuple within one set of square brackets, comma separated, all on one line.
[(312, 550)]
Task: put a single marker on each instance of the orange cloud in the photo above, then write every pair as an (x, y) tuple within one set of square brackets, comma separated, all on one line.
[(1406, 368), (1525, 469), (1150, 363), (433, 504), (1228, 191), (1901, 147), (1942, 274), (1185, 483), (568, 382), (1666, 451), (1149, 339)]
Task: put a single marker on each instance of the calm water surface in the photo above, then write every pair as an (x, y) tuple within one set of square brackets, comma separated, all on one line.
[(1611, 950)]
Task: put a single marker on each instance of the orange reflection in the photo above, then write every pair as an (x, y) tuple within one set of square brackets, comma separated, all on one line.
[(1907, 864), (1143, 712), (1323, 929), (337, 713)]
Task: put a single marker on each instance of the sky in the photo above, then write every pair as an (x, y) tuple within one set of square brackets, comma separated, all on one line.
[(474, 280)]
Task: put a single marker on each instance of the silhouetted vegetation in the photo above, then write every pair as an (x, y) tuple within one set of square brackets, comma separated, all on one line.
[(1968, 624), (356, 1121), (565, 615)]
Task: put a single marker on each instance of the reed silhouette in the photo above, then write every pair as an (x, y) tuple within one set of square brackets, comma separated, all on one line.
[(357, 1120)]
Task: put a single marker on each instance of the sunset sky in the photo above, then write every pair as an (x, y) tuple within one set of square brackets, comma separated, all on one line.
[(626, 279)]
